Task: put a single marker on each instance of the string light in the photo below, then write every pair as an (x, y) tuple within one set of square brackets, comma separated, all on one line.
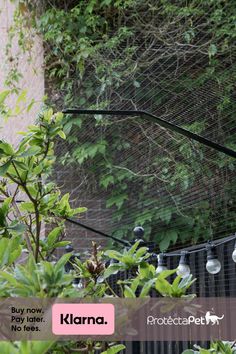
[(213, 265), (138, 232), (183, 269), (162, 263), (234, 253)]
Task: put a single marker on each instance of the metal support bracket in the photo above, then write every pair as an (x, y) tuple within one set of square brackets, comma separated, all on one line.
[(163, 123)]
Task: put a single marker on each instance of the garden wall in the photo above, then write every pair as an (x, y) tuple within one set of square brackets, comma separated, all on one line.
[(32, 72)]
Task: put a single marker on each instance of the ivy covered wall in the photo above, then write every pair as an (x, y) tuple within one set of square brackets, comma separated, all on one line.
[(175, 59)]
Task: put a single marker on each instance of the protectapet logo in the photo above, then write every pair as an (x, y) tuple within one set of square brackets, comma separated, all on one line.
[(185, 321), (213, 319)]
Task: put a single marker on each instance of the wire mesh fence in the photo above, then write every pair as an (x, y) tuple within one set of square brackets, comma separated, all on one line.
[(129, 171)]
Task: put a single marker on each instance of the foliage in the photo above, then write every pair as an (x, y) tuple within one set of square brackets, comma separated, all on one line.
[(142, 277), (217, 347), (27, 169), (40, 280), (114, 349), (128, 259), (28, 347), (76, 37), (146, 279), (178, 288), (30, 199), (46, 347)]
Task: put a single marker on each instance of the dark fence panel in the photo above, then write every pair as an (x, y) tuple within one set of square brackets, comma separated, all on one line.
[(222, 284)]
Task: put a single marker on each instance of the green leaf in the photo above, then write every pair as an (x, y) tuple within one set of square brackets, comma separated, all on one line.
[(79, 210), (3, 96), (5, 206), (128, 292), (105, 181), (168, 237), (17, 227), (62, 134), (48, 115), (146, 270), (32, 151), (136, 84), (21, 166), (112, 269), (166, 273), (114, 349), (21, 97), (27, 206), (141, 252), (8, 348), (163, 287), (14, 255), (165, 215), (41, 347), (4, 168), (113, 254), (212, 50), (175, 284), (53, 236), (6, 148), (134, 247), (62, 261), (205, 351), (186, 282), (64, 202), (30, 105), (62, 244), (117, 200), (134, 285), (7, 276), (146, 288)]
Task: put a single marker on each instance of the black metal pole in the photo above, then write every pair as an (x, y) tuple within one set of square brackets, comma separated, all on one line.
[(159, 121), (72, 221)]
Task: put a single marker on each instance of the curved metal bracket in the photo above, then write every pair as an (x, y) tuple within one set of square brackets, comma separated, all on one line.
[(159, 121)]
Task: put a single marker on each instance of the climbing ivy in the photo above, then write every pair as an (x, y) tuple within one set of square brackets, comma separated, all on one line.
[(83, 41)]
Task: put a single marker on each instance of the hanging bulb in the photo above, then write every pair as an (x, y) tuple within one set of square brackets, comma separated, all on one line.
[(138, 232), (183, 269), (213, 265), (162, 263), (234, 253)]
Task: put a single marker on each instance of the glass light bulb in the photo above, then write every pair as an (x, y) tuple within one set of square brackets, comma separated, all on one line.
[(183, 270), (213, 266), (77, 285), (160, 269), (234, 255)]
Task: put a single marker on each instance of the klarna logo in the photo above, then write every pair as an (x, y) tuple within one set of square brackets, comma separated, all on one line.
[(83, 319), (70, 318), (208, 319)]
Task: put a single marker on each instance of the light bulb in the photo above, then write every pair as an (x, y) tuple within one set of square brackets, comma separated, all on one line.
[(162, 263), (183, 269), (213, 265), (234, 254), (138, 231), (160, 269)]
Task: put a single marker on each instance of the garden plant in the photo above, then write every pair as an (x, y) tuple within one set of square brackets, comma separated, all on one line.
[(33, 217)]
